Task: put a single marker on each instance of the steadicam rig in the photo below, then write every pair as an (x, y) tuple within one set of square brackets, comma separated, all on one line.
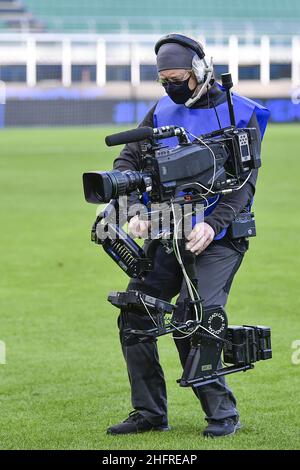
[(210, 336), (215, 163), (207, 327)]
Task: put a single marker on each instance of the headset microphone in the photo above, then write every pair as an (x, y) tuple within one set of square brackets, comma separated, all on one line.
[(202, 71)]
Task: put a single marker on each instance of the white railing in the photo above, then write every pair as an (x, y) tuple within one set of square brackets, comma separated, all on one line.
[(134, 50)]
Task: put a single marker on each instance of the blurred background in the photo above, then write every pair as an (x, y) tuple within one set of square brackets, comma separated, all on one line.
[(72, 72), (68, 62)]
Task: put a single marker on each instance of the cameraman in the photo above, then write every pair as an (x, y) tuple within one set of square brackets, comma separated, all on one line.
[(198, 103)]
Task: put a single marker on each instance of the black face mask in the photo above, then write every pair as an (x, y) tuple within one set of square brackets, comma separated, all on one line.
[(179, 93)]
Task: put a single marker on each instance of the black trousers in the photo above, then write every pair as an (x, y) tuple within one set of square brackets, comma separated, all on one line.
[(215, 268)]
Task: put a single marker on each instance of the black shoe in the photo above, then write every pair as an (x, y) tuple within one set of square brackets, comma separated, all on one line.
[(222, 427), (135, 423)]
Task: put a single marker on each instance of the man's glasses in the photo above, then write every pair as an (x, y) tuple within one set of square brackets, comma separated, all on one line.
[(176, 81)]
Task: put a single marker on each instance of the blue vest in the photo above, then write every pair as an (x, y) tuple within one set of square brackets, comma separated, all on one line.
[(202, 121)]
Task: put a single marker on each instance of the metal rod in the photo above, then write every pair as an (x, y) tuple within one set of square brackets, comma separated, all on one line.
[(227, 84), (219, 373)]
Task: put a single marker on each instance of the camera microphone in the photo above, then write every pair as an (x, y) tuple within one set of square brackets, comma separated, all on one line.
[(134, 135)]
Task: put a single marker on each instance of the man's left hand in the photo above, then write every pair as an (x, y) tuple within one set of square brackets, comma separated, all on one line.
[(200, 237)]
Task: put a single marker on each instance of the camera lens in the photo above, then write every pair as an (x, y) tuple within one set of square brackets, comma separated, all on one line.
[(104, 186)]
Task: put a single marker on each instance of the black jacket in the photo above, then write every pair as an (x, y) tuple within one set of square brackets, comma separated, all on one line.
[(230, 204)]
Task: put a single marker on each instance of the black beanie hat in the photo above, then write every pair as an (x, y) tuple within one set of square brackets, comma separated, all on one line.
[(174, 56)]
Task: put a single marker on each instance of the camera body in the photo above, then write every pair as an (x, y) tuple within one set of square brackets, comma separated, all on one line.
[(204, 165), (213, 164)]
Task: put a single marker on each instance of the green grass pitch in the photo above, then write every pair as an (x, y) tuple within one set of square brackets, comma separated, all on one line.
[(65, 379)]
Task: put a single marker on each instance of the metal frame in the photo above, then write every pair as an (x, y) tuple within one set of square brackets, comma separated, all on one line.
[(233, 53)]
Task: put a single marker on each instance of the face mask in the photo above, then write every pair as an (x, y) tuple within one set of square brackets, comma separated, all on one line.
[(179, 93)]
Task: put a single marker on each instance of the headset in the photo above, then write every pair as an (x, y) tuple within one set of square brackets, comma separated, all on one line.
[(202, 71)]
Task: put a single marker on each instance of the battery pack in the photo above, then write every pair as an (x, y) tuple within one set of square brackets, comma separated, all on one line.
[(243, 226), (247, 344)]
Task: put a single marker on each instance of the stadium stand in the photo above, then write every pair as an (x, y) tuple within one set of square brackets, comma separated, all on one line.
[(93, 63), (14, 15), (116, 16)]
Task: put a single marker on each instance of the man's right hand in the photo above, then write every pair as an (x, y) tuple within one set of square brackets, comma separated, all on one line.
[(138, 228)]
